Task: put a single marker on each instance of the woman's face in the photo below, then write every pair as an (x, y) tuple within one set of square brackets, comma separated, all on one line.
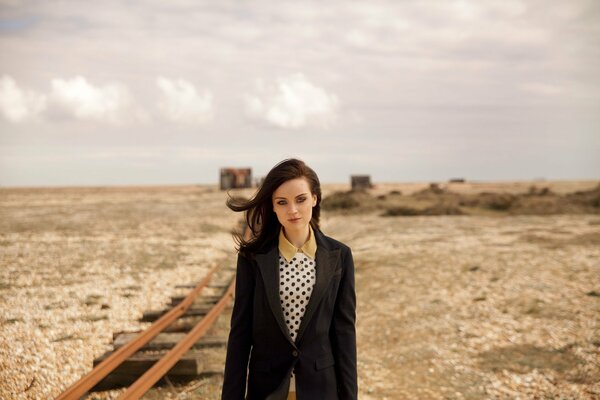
[(293, 203)]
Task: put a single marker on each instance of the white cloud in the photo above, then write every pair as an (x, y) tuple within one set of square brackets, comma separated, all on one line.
[(292, 102), (77, 97), (18, 105), (182, 103)]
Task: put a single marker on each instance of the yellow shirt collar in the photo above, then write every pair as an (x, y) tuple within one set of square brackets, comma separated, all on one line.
[(288, 250)]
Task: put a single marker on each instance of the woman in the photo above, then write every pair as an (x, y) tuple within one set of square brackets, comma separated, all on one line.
[(293, 320)]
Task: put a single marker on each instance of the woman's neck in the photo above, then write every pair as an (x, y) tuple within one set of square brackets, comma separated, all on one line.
[(297, 237)]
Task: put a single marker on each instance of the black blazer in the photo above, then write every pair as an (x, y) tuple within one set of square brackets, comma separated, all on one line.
[(324, 353)]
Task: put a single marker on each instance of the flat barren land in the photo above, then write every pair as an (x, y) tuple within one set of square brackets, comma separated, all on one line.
[(465, 290)]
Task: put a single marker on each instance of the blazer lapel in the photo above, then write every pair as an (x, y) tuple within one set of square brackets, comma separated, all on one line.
[(269, 270), (326, 260)]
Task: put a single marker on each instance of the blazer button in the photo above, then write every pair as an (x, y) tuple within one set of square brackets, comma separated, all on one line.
[(295, 353)]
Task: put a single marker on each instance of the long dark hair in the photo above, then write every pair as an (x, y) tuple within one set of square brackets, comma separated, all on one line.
[(259, 214)]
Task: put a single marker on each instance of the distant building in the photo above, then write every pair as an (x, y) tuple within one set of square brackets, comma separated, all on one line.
[(457, 180), (259, 181), (360, 182), (236, 178)]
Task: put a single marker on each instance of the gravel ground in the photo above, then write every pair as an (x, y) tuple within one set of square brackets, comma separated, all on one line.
[(449, 307), (476, 307), (80, 264)]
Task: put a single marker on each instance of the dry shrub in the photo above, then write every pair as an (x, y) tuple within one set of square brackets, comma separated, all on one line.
[(535, 191), (400, 211), (437, 200), (494, 201), (341, 201), (538, 201), (541, 206), (443, 209), (434, 190), (589, 198), (436, 209)]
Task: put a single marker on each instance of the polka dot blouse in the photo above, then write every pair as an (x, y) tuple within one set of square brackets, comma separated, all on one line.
[(296, 281)]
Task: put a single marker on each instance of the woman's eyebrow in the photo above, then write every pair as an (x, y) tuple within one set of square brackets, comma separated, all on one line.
[(301, 194)]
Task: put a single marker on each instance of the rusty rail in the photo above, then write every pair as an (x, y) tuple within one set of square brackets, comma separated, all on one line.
[(81, 387), (161, 367), (158, 370)]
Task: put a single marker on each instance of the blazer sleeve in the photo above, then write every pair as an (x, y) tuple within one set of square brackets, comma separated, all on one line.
[(344, 332), (240, 334)]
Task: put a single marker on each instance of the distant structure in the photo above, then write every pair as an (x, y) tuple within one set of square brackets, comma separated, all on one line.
[(259, 181), (236, 178), (457, 180), (360, 182)]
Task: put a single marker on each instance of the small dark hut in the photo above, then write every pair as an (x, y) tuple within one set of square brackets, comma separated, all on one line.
[(360, 182)]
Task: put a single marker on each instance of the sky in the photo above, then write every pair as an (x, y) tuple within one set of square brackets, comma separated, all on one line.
[(155, 92)]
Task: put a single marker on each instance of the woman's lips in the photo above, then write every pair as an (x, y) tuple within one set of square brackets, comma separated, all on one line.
[(294, 220)]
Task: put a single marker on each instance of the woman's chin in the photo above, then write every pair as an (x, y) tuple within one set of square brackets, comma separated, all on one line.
[(295, 226)]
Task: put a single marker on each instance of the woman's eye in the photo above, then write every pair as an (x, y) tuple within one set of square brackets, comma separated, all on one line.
[(281, 203), (301, 200)]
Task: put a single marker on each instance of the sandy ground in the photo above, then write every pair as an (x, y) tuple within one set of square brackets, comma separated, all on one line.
[(449, 307), (80, 264), (475, 307)]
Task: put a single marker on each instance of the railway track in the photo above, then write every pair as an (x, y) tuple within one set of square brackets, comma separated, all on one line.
[(170, 345)]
